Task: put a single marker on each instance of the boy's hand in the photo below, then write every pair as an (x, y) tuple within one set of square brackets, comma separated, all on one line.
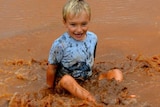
[(46, 86)]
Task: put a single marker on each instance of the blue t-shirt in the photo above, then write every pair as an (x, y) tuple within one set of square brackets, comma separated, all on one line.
[(74, 57)]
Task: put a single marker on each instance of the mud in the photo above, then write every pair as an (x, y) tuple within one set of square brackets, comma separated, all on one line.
[(128, 39), (26, 75)]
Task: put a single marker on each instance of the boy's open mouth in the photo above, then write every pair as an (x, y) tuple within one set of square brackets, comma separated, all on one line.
[(79, 35)]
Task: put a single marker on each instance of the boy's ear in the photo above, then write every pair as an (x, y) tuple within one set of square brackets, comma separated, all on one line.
[(64, 22)]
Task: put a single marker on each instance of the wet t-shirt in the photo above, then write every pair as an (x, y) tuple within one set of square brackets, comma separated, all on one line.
[(74, 57)]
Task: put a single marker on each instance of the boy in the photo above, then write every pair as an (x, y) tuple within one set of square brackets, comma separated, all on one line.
[(72, 55)]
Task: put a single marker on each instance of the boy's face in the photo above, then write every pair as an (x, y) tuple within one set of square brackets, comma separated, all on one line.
[(77, 25)]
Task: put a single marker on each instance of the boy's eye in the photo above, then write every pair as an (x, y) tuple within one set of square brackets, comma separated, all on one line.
[(84, 24), (72, 24)]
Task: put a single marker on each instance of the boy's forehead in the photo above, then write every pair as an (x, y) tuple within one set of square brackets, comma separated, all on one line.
[(74, 15)]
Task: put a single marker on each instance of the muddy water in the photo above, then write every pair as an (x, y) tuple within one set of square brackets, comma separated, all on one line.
[(27, 29), (132, 25)]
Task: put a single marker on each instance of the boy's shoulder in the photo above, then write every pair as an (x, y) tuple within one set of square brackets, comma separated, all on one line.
[(63, 38), (92, 35)]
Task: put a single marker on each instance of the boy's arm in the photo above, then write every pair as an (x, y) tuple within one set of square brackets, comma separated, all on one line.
[(51, 72)]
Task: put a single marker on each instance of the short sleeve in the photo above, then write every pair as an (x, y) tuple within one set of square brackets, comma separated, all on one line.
[(56, 53)]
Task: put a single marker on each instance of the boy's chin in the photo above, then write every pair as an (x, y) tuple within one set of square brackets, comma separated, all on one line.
[(79, 38)]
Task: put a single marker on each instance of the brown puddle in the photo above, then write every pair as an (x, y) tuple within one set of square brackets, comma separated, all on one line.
[(128, 33)]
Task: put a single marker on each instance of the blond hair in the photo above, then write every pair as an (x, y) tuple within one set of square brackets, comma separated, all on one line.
[(75, 7)]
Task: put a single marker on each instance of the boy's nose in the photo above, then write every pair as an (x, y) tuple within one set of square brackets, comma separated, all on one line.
[(79, 29)]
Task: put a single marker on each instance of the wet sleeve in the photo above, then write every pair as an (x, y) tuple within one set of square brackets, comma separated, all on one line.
[(56, 53), (96, 40), (95, 50)]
